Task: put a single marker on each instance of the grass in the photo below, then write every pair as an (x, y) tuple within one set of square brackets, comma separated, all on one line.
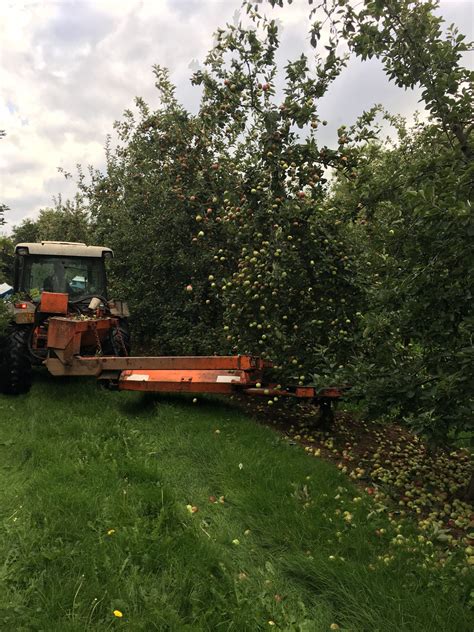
[(194, 517)]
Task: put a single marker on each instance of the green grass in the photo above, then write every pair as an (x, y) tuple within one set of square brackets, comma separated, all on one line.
[(77, 462)]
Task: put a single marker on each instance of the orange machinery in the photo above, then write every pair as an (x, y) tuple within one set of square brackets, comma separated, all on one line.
[(185, 374)]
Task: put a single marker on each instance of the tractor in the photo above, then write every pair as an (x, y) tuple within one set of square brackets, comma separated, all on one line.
[(54, 278)]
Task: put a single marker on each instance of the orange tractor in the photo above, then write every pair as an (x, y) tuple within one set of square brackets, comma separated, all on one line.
[(53, 278), (65, 321)]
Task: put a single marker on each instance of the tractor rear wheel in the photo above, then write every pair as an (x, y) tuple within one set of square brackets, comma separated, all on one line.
[(16, 373)]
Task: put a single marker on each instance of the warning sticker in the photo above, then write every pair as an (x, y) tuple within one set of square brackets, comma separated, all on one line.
[(228, 378)]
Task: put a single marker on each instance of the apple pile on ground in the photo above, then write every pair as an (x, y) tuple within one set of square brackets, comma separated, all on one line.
[(408, 482)]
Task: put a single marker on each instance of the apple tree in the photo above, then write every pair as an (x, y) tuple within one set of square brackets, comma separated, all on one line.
[(159, 206), (67, 221), (291, 295), (413, 215), (414, 351)]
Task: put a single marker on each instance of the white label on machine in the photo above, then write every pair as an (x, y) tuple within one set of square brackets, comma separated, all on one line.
[(228, 378), (138, 377)]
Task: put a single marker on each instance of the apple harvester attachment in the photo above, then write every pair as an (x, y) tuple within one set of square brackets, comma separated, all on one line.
[(223, 375)]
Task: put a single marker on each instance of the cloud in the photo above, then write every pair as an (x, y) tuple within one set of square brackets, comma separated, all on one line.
[(20, 167), (74, 26), (68, 69)]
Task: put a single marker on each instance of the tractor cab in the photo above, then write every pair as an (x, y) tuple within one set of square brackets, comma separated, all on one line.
[(60, 267)]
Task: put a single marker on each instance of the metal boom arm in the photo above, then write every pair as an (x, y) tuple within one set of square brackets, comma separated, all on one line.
[(188, 374)]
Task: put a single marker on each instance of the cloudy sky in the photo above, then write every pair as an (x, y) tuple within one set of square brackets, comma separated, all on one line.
[(69, 68)]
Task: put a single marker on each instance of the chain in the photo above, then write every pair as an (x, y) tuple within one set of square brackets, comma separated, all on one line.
[(98, 350), (121, 340)]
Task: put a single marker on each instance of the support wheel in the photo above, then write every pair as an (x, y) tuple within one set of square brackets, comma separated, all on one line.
[(16, 374), (326, 414)]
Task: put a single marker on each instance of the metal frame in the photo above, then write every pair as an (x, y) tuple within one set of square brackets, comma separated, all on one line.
[(183, 374)]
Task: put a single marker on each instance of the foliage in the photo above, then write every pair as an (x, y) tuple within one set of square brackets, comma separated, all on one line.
[(159, 190), (6, 260), (225, 242), (67, 221), (407, 36), (414, 340), (6, 275), (291, 295)]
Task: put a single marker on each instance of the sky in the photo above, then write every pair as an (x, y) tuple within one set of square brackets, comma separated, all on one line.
[(69, 68)]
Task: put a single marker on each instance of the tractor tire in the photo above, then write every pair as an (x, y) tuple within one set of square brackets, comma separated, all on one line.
[(16, 374), (3, 366), (120, 339)]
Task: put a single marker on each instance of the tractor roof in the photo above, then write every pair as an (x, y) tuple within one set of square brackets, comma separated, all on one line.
[(62, 248)]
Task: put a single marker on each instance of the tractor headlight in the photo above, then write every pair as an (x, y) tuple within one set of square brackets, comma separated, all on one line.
[(22, 251)]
